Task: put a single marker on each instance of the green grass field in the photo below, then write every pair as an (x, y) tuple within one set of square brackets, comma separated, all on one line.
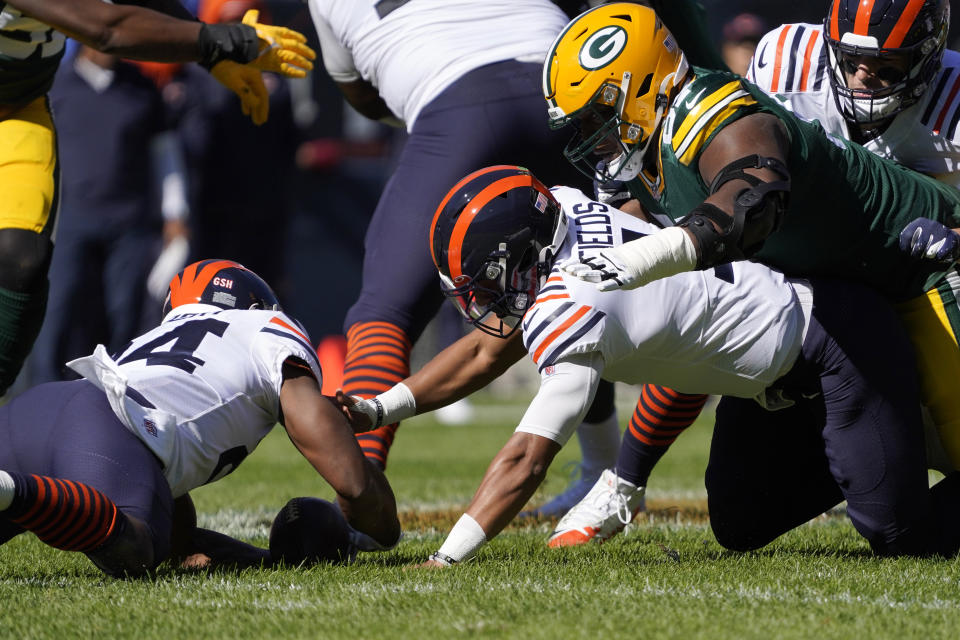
[(667, 578)]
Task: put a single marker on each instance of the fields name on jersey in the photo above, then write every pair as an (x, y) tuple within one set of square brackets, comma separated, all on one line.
[(594, 228)]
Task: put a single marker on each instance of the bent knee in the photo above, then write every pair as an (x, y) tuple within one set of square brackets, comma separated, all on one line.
[(24, 259)]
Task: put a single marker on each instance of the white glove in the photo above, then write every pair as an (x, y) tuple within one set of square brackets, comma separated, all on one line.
[(636, 263)]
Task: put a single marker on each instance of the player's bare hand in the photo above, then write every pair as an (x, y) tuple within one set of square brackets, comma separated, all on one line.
[(355, 411), (429, 564)]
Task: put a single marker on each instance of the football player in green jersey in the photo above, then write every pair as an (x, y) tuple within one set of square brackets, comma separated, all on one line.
[(32, 35), (739, 175)]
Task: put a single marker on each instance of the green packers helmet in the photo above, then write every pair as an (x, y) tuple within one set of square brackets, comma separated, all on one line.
[(612, 73)]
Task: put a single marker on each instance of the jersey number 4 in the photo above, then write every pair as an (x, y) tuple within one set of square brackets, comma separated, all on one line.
[(186, 339)]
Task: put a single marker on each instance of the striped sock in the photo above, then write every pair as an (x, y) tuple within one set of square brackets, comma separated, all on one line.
[(378, 357), (660, 417), (65, 514)]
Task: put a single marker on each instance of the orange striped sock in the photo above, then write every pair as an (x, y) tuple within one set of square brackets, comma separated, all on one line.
[(378, 357), (662, 414), (63, 513)]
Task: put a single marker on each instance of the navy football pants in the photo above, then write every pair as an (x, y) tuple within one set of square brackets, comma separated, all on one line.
[(860, 440), (68, 430), (492, 115)]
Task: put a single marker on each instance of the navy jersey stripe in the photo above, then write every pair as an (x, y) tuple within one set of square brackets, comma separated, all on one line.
[(792, 65), (139, 398), (821, 63), (298, 340), (559, 286), (935, 98), (952, 128), (530, 338), (579, 333)]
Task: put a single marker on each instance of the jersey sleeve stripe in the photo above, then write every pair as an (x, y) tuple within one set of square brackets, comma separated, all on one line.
[(531, 336), (573, 337), (792, 64), (556, 333), (279, 321), (937, 92), (139, 398), (821, 65), (808, 57), (689, 147), (306, 345), (778, 59), (703, 106), (559, 296), (947, 106)]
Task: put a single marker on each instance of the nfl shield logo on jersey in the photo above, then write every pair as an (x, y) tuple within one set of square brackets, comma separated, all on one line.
[(150, 427)]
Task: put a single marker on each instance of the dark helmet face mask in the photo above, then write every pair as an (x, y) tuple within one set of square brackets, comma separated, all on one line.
[(488, 300), (494, 240), (907, 68)]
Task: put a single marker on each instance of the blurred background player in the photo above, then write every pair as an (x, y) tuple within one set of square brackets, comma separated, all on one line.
[(31, 46), (463, 79), (741, 330), (110, 123), (740, 37), (228, 194), (104, 465)]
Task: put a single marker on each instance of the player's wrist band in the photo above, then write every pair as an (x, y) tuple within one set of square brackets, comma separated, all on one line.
[(395, 404), (463, 541), (228, 41), (443, 559), (379, 407)]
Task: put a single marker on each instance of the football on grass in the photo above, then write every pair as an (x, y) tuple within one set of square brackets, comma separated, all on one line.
[(308, 531)]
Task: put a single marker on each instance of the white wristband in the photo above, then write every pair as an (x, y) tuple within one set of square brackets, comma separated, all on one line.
[(398, 404), (464, 540), (659, 255)]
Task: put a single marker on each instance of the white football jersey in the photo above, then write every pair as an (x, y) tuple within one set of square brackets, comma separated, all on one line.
[(790, 64), (412, 51), (202, 389), (730, 330)]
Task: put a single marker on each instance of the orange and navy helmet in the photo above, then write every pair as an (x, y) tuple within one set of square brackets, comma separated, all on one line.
[(910, 34), (493, 240), (221, 283)]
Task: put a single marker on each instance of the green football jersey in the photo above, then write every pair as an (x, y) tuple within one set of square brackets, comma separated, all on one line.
[(30, 52), (847, 206)]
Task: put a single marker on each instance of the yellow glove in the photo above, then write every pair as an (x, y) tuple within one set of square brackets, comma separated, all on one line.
[(282, 50), (245, 81)]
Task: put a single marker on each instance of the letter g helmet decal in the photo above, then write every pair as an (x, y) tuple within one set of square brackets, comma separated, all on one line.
[(603, 47)]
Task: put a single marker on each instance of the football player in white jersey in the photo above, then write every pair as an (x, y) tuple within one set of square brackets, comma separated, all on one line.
[(104, 465), (462, 77), (791, 358)]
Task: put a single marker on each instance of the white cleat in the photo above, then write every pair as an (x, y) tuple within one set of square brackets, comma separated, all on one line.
[(580, 485), (606, 509)]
